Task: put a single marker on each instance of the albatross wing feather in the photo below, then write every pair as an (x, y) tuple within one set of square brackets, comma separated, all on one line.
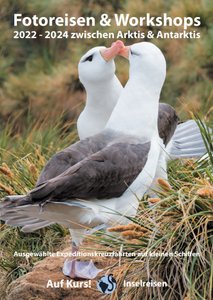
[(71, 155), (105, 174), (167, 122)]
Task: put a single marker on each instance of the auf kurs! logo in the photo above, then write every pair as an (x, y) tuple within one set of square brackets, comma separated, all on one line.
[(107, 284)]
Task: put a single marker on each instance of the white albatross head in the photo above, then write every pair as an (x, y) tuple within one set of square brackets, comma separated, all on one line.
[(97, 65), (147, 63)]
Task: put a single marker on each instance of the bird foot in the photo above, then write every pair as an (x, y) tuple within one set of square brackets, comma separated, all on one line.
[(80, 269)]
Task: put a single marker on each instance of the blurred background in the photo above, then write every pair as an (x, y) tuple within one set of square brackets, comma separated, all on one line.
[(39, 78)]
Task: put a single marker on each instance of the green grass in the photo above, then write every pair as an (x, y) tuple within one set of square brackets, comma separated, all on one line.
[(182, 220), (22, 156)]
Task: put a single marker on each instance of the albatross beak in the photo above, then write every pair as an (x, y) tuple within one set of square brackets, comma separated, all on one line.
[(125, 52), (110, 53)]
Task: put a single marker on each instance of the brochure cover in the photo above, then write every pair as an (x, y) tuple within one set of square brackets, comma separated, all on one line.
[(106, 150)]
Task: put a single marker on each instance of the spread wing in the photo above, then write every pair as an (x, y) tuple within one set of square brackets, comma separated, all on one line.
[(105, 174), (73, 154), (167, 122)]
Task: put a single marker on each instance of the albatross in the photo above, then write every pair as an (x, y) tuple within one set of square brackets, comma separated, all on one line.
[(103, 88), (111, 170)]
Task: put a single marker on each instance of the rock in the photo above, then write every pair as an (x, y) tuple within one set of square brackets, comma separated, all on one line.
[(33, 285)]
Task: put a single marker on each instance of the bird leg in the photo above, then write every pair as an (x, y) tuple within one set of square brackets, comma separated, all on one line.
[(79, 269)]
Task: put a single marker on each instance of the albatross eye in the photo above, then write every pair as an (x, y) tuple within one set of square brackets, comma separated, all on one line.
[(134, 53), (88, 58)]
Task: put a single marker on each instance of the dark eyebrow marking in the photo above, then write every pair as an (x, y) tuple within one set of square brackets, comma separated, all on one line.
[(88, 58)]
